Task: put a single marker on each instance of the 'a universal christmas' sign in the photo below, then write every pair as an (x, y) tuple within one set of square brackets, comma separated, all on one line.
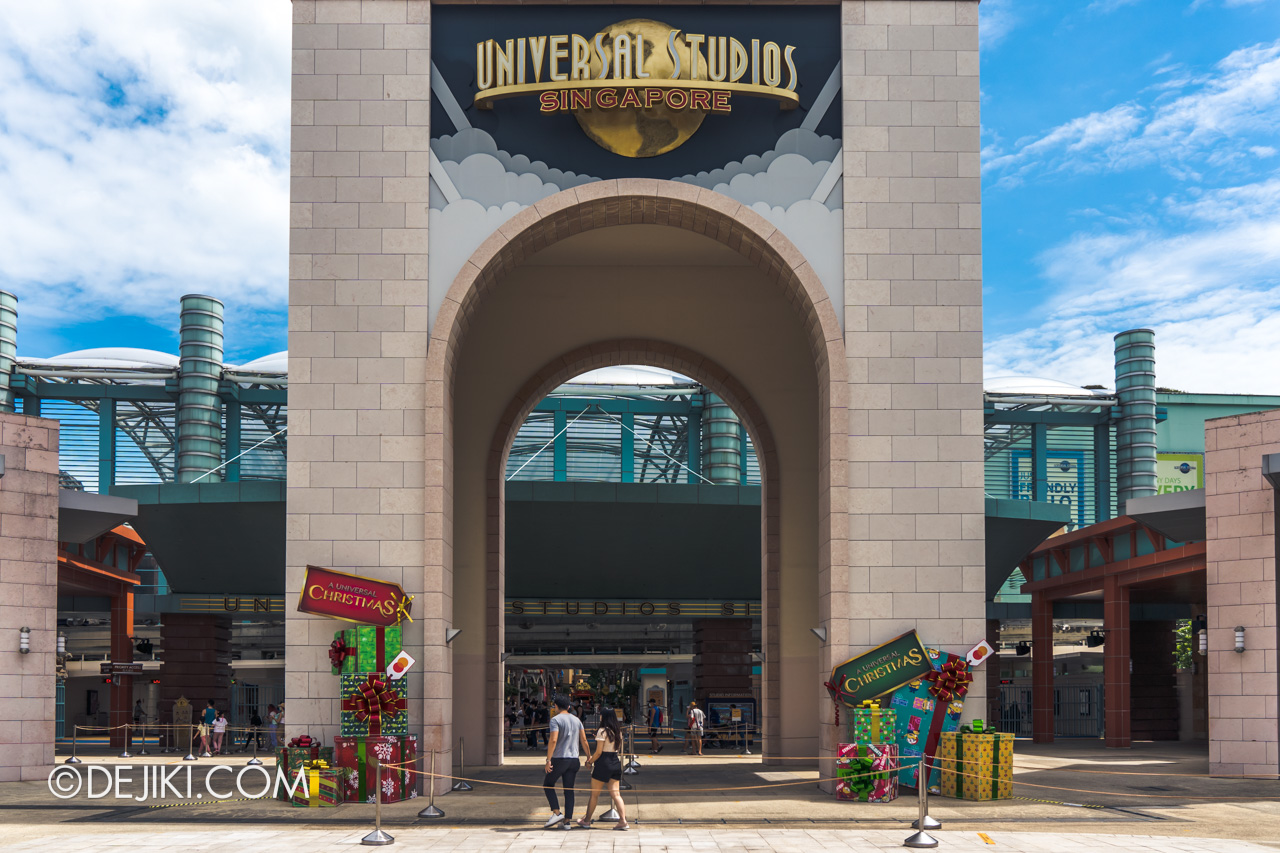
[(881, 670), (352, 598)]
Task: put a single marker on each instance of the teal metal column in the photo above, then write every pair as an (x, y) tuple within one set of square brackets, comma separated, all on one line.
[(721, 443), (232, 472), (628, 451), (742, 457), (1102, 472), (559, 447), (199, 409), (1039, 462), (1136, 431), (694, 462), (106, 445), (8, 346)]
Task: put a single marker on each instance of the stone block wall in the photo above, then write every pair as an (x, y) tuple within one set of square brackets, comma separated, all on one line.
[(913, 324), (1240, 523), (358, 324), (28, 594)]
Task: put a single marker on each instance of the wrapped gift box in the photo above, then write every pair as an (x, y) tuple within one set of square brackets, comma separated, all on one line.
[(924, 713), (355, 756), (295, 758), (326, 786), (976, 766), (373, 704), (869, 773), (364, 648), (869, 723)]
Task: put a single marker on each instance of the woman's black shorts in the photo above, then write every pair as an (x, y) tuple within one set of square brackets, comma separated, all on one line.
[(608, 767)]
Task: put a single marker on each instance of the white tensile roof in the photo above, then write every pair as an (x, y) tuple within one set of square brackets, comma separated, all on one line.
[(1034, 386)]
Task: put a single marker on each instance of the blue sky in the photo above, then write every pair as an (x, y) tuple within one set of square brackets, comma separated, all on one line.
[(1131, 178)]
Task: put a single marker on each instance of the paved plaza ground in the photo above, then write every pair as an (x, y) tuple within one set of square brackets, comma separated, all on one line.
[(1073, 795)]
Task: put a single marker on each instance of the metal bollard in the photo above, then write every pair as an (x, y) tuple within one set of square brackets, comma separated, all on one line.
[(144, 751), (431, 811), (461, 784), (190, 740), (75, 732), (127, 736), (377, 838), (921, 838)]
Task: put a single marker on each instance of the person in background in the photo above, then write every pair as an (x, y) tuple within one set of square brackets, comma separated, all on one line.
[(542, 718), (568, 740), (607, 769), (219, 732), (697, 723), (138, 714), (655, 727), (273, 723), (206, 727), (255, 731)]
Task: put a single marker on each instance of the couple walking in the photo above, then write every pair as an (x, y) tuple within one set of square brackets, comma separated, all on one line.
[(568, 741)]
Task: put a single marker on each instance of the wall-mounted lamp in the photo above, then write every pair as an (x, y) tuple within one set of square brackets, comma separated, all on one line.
[(820, 633), (450, 633), (758, 657), (503, 657), (1204, 642), (24, 640), (1096, 637), (1239, 638), (1, 466), (62, 644), (1022, 648)]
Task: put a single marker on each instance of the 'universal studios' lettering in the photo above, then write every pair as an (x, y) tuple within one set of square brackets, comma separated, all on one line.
[(622, 59)]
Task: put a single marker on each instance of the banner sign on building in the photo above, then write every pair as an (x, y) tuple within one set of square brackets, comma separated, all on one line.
[(352, 598), (879, 671), (1179, 472)]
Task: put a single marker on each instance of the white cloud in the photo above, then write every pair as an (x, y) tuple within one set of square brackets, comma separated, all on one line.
[(1211, 292), (1210, 124), (995, 21), (1105, 7), (144, 153)]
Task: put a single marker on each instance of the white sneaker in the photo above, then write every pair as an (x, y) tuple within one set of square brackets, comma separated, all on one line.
[(553, 820)]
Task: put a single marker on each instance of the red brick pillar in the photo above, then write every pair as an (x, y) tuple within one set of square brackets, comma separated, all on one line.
[(195, 653), (1115, 669), (1041, 668), (121, 708), (721, 658)]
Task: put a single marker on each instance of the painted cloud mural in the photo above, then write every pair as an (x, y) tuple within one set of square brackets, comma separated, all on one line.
[(476, 186)]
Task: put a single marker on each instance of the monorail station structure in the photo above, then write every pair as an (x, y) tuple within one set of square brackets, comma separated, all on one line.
[(641, 346)]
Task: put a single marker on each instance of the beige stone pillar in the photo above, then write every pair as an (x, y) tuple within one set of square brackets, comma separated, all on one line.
[(1240, 580), (913, 324), (358, 324), (29, 590)]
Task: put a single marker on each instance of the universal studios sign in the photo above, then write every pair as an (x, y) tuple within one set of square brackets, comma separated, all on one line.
[(638, 87)]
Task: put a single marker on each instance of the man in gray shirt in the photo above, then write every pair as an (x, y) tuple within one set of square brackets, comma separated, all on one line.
[(567, 742)]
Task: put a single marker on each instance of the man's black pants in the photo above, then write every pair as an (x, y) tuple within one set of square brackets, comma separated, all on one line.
[(566, 769)]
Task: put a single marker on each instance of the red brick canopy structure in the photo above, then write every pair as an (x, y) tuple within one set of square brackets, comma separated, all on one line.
[(1119, 561)]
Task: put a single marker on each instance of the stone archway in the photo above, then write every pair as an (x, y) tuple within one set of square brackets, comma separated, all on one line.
[(568, 213), (606, 354)]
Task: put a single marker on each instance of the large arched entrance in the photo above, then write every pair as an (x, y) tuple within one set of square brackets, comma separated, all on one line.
[(638, 271)]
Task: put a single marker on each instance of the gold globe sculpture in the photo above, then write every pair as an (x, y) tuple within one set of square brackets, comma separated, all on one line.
[(643, 131)]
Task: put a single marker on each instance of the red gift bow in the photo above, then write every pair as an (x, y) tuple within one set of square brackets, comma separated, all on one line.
[(373, 701), (952, 680), (304, 742), (339, 651)]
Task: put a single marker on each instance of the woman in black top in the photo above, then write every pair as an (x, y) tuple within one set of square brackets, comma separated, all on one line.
[(607, 769)]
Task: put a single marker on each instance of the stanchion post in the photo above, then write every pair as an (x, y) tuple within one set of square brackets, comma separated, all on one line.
[(255, 761), (127, 736), (929, 821), (431, 811), (190, 740), (144, 751), (921, 838), (75, 734), (461, 784), (633, 766), (377, 838)]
